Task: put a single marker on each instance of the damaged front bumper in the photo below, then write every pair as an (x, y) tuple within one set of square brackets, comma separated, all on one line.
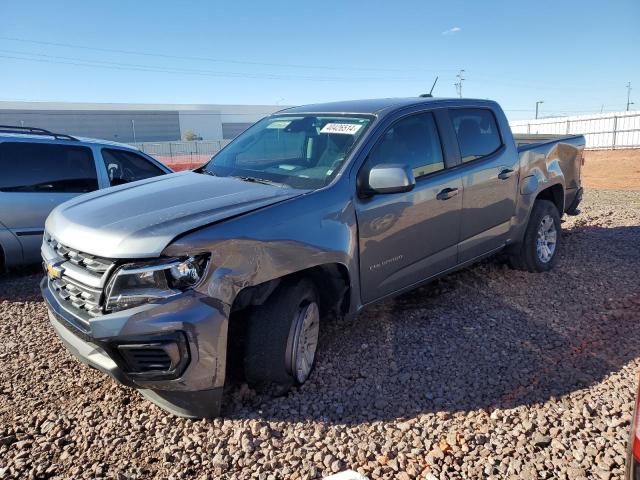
[(174, 352)]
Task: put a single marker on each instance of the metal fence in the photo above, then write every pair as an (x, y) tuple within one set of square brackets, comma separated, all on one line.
[(604, 131), (182, 155)]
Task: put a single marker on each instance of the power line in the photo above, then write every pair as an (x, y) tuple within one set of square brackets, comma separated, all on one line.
[(513, 83), (198, 58), (56, 59), (127, 112)]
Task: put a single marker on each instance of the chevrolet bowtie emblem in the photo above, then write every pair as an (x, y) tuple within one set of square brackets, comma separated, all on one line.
[(54, 271)]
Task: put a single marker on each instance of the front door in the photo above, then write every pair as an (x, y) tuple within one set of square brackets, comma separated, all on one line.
[(407, 237)]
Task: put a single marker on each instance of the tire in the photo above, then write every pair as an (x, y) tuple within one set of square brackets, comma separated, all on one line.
[(282, 336), (538, 251)]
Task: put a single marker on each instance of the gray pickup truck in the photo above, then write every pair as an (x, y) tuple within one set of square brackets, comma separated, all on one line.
[(314, 212)]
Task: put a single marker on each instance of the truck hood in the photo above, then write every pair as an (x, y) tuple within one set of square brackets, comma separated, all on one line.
[(140, 219)]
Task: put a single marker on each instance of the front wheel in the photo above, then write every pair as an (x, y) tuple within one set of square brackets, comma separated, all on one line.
[(282, 336), (539, 247)]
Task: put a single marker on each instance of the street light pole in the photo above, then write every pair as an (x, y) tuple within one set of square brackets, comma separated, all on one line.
[(537, 104), (133, 127), (629, 102)]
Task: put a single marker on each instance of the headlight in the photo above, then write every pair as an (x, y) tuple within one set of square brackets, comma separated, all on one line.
[(137, 284)]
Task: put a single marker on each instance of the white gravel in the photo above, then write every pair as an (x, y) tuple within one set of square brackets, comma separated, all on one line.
[(488, 373)]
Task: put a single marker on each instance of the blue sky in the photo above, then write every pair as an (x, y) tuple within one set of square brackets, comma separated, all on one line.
[(577, 56)]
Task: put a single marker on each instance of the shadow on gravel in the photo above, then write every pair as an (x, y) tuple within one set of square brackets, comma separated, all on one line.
[(20, 285), (483, 338)]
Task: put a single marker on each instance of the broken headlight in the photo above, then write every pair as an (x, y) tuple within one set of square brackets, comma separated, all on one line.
[(136, 284)]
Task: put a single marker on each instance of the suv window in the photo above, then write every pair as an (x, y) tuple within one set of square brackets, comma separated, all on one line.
[(412, 141), (124, 167), (42, 167), (477, 132)]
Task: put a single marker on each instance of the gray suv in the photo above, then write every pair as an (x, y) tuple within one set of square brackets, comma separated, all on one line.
[(40, 170), (314, 212)]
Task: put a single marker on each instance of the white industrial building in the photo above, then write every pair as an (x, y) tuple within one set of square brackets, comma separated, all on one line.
[(135, 122)]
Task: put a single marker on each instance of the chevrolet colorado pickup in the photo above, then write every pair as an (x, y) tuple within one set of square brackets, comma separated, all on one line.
[(313, 212)]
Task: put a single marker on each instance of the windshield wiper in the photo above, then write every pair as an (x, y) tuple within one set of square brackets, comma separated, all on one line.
[(264, 181)]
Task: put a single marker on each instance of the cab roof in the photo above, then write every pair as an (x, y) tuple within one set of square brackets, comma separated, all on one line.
[(378, 106)]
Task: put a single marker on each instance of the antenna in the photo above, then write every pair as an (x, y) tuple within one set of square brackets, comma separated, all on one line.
[(433, 86), (429, 95)]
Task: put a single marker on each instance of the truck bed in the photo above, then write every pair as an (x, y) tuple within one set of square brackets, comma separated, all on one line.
[(548, 153), (524, 140)]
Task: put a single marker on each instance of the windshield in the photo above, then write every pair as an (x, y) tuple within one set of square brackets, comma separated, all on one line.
[(296, 151)]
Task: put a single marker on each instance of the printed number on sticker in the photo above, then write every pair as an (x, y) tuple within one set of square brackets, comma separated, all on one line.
[(347, 128)]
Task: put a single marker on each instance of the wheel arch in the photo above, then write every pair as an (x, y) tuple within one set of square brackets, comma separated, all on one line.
[(332, 281), (555, 194)]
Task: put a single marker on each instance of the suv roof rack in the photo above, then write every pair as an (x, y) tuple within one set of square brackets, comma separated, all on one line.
[(35, 131)]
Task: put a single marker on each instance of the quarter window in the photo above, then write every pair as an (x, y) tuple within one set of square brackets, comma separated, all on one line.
[(42, 167), (412, 141), (124, 167), (477, 132)]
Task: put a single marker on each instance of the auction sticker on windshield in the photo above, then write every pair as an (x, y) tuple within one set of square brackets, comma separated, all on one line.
[(346, 128), (279, 124)]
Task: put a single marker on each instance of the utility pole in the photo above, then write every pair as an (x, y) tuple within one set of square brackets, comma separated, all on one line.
[(629, 102), (458, 84), (537, 105), (133, 127)]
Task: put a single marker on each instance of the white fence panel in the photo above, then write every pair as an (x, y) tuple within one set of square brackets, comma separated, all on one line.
[(602, 131)]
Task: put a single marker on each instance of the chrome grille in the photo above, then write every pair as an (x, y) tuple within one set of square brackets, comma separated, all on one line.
[(95, 265), (80, 297), (79, 288)]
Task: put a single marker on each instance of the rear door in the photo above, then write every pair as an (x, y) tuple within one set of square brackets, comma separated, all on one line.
[(125, 166), (489, 172), (405, 238), (34, 179)]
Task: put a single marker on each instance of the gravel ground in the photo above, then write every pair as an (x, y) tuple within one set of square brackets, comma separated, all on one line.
[(487, 373)]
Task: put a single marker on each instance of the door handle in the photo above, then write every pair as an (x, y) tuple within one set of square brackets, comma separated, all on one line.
[(447, 193), (505, 173)]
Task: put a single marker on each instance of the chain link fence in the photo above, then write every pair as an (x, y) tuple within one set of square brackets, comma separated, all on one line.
[(605, 131), (182, 155)]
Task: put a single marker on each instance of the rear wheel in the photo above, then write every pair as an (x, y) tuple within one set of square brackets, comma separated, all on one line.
[(539, 247), (282, 336)]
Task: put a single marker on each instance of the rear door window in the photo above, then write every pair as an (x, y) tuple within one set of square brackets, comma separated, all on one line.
[(42, 167), (477, 132), (124, 166)]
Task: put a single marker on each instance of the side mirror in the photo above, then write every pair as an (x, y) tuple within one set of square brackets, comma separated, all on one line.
[(390, 179)]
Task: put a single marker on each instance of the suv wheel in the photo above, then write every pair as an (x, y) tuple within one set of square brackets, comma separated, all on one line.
[(539, 248), (282, 336)]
